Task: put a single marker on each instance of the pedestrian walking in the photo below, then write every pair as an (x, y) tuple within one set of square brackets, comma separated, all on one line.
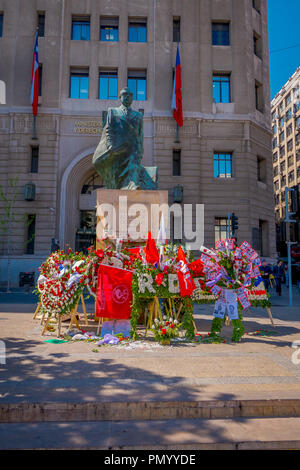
[(286, 274), (278, 272), (266, 271)]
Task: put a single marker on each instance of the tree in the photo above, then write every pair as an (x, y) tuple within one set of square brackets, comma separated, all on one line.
[(8, 219)]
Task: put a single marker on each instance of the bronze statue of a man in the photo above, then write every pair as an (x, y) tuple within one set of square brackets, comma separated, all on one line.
[(118, 156)]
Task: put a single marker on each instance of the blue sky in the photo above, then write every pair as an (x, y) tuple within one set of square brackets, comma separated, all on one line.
[(283, 33)]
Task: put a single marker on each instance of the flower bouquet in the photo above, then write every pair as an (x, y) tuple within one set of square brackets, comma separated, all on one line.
[(165, 329)]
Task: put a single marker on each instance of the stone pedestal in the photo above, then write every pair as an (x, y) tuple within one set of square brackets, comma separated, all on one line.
[(129, 215)]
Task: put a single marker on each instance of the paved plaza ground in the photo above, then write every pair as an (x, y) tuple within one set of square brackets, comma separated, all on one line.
[(212, 392)]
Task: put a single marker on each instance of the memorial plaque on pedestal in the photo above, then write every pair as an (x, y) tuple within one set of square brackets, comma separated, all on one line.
[(130, 215)]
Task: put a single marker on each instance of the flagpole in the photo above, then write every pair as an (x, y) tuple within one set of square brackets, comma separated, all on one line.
[(34, 137), (177, 141)]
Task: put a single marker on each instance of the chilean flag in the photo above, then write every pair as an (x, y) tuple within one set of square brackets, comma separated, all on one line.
[(34, 96), (177, 95)]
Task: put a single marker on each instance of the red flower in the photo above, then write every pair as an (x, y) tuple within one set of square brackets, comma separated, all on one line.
[(164, 331), (172, 325), (167, 323), (159, 278)]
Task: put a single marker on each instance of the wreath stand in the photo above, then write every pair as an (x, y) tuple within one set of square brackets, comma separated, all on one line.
[(73, 316), (152, 310)]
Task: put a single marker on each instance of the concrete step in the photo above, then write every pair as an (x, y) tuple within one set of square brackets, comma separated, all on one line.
[(183, 434), (147, 410)]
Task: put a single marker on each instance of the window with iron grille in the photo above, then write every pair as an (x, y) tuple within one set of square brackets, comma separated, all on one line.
[(177, 162), (29, 244), (176, 29), (34, 159), (41, 24)]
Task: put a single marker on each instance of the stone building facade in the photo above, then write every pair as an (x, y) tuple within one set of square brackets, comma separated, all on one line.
[(285, 108), (223, 156)]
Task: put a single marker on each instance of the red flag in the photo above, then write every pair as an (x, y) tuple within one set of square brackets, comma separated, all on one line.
[(185, 279), (177, 93), (114, 293), (34, 95), (152, 255)]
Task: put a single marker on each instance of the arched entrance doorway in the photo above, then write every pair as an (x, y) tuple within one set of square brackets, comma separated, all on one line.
[(78, 194), (86, 231)]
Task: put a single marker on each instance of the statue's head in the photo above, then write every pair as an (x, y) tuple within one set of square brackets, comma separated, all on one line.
[(126, 97)]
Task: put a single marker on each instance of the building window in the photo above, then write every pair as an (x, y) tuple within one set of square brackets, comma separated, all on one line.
[(31, 218), (137, 82), (257, 45), (109, 28), (34, 160), (176, 29), (221, 228), (221, 88), (220, 34), (283, 181), (289, 145), (176, 162), (291, 176), (282, 151), (108, 85), (289, 130), (81, 29), (288, 114), (275, 170), (137, 30), (79, 84), (296, 107), (40, 79), (261, 169), (1, 25), (276, 185), (281, 136), (282, 167), (275, 157), (275, 142), (281, 107), (290, 160), (288, 99), (281, 122), (297, 123), (274, 129), (259, 96), (41, 25), (222, 165)]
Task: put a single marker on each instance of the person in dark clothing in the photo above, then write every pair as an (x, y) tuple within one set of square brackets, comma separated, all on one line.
[(265, 270), (278, 272)]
